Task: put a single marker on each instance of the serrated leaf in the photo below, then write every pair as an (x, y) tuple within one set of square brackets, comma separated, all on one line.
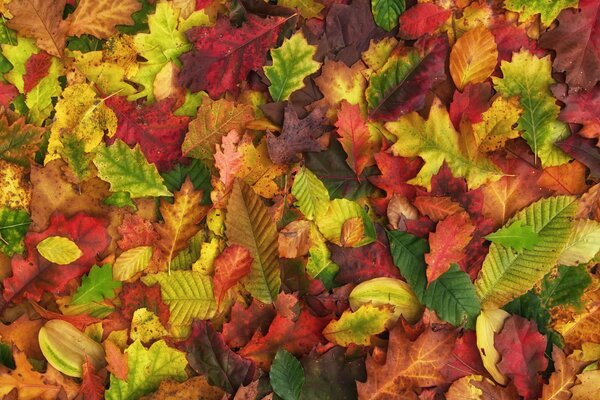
[(287, 375), (96, 286), (311, 195), (127, 170), (548, 10), (249, 224), (131, 262), (331, 222), (507, 274), (39, 99), (473, 57), (357, 327), (452, 296), (198, 173), (292, 62), (188, 294), (386, 12), (306, 8), (356, 137), (181, 220), (583, 244), (408, 252), (436, 141), (529, 78), (146, 369), (13, 227), (517, 236), (566, 287), (59, 250)]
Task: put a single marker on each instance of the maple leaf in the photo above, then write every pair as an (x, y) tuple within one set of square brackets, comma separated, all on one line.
[(100, 18), (422, 19), (181, 220), (244, 321), (401, 84), (563, 378), (137, 295), (408, 364), (447, 244), (230, 266), (32, 276), (208, 355), (522, 348), (496, 126), (355, 137), (297, 136), (437, 208), (18, 140), (222, 56), (339, 82), (436, 141), (578, 109), (42, 20), (135, 231), (473, 57), (214, 120), (92, 384)]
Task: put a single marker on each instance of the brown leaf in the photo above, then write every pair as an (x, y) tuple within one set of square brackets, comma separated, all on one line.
[(116, 360), (41, 20), (563, 378), (101, 17), (23, 333), (567, 179), (294, 240), (196, 388)]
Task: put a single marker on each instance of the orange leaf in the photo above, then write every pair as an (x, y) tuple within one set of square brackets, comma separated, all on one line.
[(117, 361), (23, 333), (409, 365), (437, 208), (566, 179), (355, 137), (101, 17), (473, 57), (228, 160), (447, 244), (230, 266)]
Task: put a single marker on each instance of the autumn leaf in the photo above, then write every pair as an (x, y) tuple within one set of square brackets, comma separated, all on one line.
[(473, 57), (356, 138), (422, 19), (358, 326), (230, 266), (100, 18), (548, 12)]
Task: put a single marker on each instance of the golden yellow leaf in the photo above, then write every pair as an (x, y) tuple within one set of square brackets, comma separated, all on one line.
[(257, 169), (473, 57), (16, 192), (581, 328), (497, 125)]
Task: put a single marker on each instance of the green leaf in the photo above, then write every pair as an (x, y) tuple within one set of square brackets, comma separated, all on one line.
[(566, 287), (18, 55), (131, 262), (249, 223), (6, 357), (13, 227), (386, 12), (59, 250), (529, 78), (319, 265), (127, 170), (517, 236), (188, 256), (583, 244), (147, 369), (530, 306), (311, 194), (357, 327), (198, 173), (548, 10), (287, 375), (330, 223), (188, 294), (39, 99), (190, 105), (452, 296), (292, 62), (507, 274), (96, 286), (140, 19), (307, 8), (7, 36), (165, 43), (408, 253)]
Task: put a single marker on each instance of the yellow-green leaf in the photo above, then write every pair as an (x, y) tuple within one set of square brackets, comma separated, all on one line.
[(311, 194), (131, 262), (59, 250), (146, 326), (331, 222), (583, 244), (357, 327)]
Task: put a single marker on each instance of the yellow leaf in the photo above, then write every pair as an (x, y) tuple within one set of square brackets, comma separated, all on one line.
[(131, 262), (80, 113), (146, 326), (462, 389), (587, 389), (582, 328), (490, 322), (497, 125), (257, 168), (59, 250), (473, 57), (378, 52), (357, 327), (15, 192), (339, 82)]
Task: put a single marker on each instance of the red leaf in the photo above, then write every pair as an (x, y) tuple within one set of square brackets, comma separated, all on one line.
[(576, 41), (79, 321), (298, 337), (470, 104), (137, 295), (395, 171), (355, 137), (358, 264), (448, 244), (159, 132), (437, 208), (510, 39), (422, 19), (36, 68), (230, 266), (522, 349), (466, 358), (135, 231), (583, 150), (7, 93), (223, 56), (34, 275), (92, 384), (581, 108), (245, 321)]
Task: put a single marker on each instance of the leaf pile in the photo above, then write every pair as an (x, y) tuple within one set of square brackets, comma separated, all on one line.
[(299, 199)]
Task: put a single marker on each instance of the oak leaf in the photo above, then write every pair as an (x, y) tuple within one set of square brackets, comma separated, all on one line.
[(100, 18)]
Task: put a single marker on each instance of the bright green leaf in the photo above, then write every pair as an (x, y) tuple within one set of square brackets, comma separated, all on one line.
[(386, 12), (127, 170), (287, 375), (331, 222), (96, 286), (548, 10), (59, 250), (517, 236)]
